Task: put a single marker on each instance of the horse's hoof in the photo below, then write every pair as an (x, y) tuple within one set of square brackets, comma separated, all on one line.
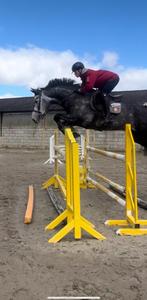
[(76, 135)]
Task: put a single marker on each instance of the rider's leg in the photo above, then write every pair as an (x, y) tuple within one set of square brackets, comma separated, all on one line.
[(109, 86), (105, 90)]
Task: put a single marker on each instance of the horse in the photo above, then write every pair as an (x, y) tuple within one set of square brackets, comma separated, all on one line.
[(92, 110)]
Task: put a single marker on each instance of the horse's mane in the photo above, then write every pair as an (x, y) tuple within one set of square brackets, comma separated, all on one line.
[(64, 82)]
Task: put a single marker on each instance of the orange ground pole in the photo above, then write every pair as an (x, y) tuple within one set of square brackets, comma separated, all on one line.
[(30, 206)]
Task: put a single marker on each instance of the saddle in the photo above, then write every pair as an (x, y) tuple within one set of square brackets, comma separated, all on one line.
[(110, 104)]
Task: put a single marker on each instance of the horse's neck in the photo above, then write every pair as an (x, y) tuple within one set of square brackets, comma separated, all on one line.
[(54, 92), (63, 93), (62, 96), (59, 96)]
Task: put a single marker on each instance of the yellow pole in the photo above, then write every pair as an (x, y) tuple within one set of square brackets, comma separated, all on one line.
[(56, 170), (76, 189), (131, 183)]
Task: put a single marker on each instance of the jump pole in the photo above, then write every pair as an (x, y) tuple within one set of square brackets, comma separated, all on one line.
[(30, 206)]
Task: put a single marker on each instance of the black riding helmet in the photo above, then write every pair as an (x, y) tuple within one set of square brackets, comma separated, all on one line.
[(77, 66)]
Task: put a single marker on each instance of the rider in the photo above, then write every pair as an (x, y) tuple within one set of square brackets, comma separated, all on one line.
[(104, 80)]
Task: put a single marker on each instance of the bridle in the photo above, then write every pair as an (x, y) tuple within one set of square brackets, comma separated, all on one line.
[(38, 102)]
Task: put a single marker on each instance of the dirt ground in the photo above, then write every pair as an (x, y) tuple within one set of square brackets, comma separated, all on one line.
[(33, 269)]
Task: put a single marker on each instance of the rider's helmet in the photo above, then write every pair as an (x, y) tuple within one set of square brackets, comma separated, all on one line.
[(77, 66)]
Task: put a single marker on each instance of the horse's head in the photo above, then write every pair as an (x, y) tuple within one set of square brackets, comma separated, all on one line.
[(55, 96), (42, 104), (36, 114)]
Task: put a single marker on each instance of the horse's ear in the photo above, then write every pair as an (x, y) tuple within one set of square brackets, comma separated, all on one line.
[(34, 91)]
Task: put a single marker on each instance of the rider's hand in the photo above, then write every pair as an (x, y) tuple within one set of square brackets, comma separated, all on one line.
[(78, 91)]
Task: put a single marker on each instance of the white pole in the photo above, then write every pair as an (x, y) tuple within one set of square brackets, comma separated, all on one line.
[(82, 146), (51, 159)]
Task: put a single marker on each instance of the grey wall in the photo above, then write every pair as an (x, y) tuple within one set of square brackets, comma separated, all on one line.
[(18, 131)]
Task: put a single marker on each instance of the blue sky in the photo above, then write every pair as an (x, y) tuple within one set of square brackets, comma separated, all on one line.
[(40, 40)]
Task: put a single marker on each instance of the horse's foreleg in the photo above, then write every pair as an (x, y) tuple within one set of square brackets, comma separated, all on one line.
[(74, 132), (64, 122), (61, 126), (58, 118), (70, 122)]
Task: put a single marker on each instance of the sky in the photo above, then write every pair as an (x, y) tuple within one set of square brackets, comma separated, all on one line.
[(40, 40)]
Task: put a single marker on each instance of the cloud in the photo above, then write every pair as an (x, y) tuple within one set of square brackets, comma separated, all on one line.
[(133, 79), (110, 59), (34, 67)]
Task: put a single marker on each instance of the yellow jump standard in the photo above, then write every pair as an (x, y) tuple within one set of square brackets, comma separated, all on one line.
[(71, 190), (132, 222)]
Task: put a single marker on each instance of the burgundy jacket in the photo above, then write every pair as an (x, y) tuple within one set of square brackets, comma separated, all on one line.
[(95, 79)]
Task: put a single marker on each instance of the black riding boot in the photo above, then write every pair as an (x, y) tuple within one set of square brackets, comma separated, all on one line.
[(106, 121), (105, 104)]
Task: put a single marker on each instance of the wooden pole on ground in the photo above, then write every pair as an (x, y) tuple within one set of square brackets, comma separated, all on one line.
[(30, 206)]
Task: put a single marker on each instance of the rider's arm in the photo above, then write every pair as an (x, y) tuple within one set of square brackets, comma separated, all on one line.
[(88, 83)]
